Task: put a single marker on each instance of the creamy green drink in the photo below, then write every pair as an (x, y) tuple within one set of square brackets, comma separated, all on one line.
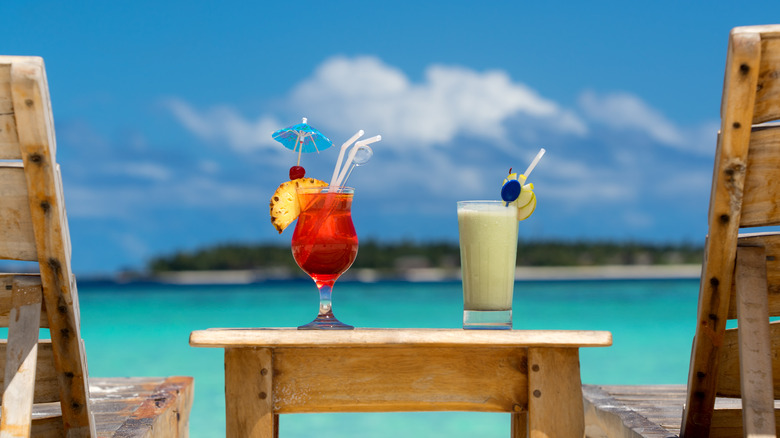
[(488, 250)]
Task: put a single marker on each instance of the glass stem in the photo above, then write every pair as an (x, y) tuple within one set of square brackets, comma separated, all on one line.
[(326, 309)]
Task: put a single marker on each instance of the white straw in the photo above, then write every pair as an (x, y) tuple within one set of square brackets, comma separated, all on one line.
[(341, 156), (351, 157), (534, 163)]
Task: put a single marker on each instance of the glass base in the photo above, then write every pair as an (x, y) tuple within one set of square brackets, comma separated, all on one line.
[(326, 323), (487, 319)]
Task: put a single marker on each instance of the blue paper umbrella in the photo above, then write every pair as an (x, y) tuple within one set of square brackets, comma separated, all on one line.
[(302, 138)]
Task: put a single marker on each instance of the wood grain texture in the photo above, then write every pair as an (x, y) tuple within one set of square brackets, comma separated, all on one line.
[(755, 355), (249, 380), (365, 379), (21, 357), (35, 129), (762, 179), (392, 338), (652, 411), (554, 393), (9, 142), (770, 242), (728, 372), (744, 53), (6, 297), (767, 105), (17, 240)]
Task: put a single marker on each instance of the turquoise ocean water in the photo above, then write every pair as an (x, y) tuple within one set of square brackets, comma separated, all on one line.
[(143, 330)]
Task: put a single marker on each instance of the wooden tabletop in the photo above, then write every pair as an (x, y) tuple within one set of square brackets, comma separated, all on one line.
[(372, 337)]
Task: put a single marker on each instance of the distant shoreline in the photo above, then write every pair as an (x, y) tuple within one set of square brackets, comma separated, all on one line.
[(427, 275)]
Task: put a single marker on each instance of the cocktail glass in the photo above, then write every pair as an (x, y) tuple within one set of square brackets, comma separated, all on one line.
[(488, 251), (325, 244)]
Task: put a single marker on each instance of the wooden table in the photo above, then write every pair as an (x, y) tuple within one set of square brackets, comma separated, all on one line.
[(532, 374)]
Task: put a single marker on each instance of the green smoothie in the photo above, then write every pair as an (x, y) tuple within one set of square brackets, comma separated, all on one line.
[(488, 251)]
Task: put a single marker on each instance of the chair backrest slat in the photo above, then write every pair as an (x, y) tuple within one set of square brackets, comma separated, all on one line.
[(728, 371), (767, 106), (762, 179), (6, 299), (9, 141), (47, 385), (771, 243), (17, 240)]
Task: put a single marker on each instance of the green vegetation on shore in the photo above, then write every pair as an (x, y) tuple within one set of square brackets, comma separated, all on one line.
[(393, 257)]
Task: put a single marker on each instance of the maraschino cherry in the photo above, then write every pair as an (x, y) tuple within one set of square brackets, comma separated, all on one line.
[(297, 172)]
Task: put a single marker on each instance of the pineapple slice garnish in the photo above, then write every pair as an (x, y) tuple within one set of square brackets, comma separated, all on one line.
[(284, 203)]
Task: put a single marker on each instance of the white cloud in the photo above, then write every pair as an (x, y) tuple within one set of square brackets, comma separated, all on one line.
[(223, 123), (626, 111), (347, 94)]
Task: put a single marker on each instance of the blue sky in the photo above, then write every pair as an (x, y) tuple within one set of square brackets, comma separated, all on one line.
[(164, 113)]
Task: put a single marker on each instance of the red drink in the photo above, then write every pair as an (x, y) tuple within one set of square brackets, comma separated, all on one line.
[(324, 243)]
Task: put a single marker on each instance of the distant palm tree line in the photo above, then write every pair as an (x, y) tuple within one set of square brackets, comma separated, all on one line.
[(383, 256)]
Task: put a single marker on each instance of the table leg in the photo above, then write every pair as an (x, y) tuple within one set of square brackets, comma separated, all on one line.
[(519, 425), (555, 393), (248, 393)]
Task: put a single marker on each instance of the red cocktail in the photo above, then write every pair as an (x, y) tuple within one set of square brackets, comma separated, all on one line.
[(325, 244)]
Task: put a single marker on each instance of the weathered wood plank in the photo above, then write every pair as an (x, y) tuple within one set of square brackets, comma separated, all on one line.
[(770, 241), (355, 379), (6, 298), (390, 338), (728, 373), (762, 180), (32, 109), (21, 357), (17, 240), (767, 106), (723, 223), (249, 389), (554, 393), (9, 142), (47, 388), (653, 411), (754, 347)]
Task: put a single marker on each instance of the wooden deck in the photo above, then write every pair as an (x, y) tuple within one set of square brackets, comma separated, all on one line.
[(134, 407), (653, 411)]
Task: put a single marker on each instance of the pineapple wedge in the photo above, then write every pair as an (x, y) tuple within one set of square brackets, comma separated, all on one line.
[(284, 203)]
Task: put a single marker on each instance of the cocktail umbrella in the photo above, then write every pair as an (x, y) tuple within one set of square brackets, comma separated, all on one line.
[(302, 138)]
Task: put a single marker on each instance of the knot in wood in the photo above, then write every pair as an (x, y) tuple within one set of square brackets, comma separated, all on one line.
[(744, 68), (29, 103), (263, 395)]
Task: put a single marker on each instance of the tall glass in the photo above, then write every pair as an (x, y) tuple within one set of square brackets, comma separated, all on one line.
[(325, 244), (488, 252)]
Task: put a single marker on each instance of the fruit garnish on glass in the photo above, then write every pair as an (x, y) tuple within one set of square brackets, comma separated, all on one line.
[(515, 191), (324, 243)]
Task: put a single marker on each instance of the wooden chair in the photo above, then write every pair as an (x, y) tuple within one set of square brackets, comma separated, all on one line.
[(34, 227), (740, 277)]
